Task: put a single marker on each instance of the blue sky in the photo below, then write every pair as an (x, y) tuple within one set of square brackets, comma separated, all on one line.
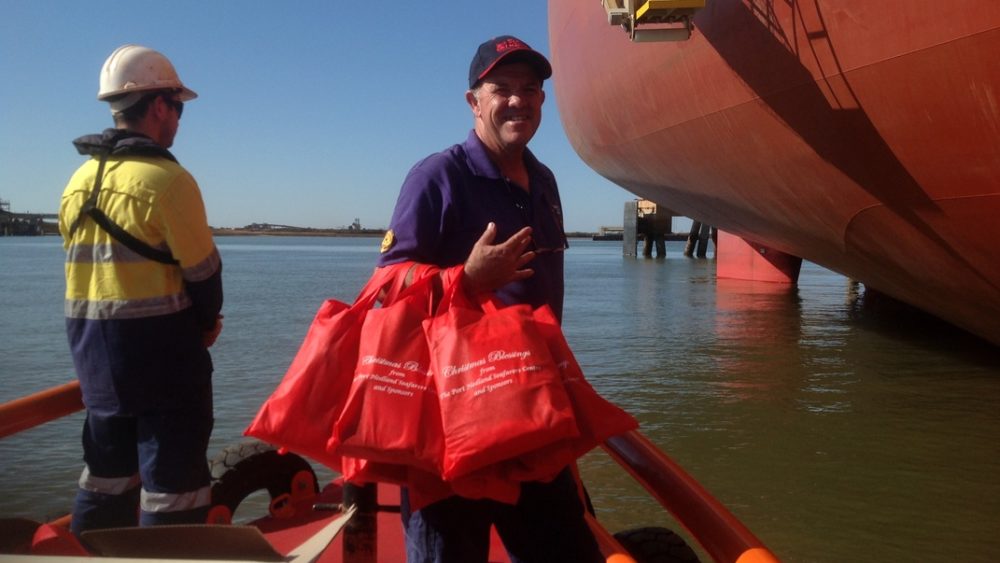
[(309, 113)]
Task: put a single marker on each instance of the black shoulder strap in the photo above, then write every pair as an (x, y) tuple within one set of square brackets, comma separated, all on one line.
[(91, 202), (90, 209), (122, 236)]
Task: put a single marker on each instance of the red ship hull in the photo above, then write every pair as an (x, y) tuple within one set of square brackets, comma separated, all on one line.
[(862, 136)]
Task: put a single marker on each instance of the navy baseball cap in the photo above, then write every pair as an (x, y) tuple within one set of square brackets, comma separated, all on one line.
[(508, 49)]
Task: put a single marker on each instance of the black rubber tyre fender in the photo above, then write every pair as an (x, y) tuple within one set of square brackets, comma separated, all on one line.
[(656, 545), (242, 469)]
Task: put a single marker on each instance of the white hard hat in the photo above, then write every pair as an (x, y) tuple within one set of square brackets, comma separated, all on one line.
[(136, 70)]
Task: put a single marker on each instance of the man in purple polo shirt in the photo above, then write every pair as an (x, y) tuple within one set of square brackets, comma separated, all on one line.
[(490, 204)]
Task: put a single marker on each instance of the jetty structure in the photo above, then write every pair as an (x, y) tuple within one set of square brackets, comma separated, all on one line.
[(862, 136), (26, 224)]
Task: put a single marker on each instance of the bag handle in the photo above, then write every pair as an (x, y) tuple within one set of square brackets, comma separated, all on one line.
[(388, 284), (489, 302), (455, 294), (415, 272), (379, 280)]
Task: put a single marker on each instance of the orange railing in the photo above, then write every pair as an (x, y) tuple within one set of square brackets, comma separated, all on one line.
[(27, 412), (718, 531), (37, 409), (722, 535)]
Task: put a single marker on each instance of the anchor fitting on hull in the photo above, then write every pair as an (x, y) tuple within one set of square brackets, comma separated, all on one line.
[(653, 20)]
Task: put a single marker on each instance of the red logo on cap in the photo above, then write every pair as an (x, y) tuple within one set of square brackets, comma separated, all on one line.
[(510, 44)]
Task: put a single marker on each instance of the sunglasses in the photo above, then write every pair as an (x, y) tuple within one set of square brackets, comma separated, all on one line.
[(550, 250), (176, 104)]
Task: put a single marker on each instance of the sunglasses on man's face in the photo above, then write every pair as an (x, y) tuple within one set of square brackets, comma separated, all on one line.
[(176, 104)]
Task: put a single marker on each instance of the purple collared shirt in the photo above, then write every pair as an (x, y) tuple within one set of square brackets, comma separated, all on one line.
[(447, 200)]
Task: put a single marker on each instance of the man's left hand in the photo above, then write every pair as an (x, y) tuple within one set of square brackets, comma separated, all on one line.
[(491, 266), (209, 336)]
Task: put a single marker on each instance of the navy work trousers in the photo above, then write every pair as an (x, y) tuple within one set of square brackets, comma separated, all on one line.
[(165, 452), (546, 525)]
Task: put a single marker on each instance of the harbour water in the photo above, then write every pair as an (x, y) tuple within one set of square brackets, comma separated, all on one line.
[(837, 428)]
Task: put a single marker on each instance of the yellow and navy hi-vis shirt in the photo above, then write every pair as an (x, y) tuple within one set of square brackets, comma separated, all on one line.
[(157, 201), (135, 325)]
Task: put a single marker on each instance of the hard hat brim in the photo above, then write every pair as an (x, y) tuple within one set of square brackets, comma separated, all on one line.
[(185, 94), (130, 97)]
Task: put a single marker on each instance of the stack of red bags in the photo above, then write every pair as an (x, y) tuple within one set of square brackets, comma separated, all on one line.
[(457, 397)]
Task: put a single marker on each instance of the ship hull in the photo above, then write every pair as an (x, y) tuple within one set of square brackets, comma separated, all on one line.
[(862, 136)]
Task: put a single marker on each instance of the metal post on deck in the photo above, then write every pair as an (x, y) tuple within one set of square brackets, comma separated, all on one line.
[(360, 533)]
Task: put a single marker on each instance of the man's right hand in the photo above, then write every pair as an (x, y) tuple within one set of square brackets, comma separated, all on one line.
[(490, 266)]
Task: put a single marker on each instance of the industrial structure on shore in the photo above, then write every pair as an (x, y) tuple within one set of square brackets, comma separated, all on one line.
[(26, 224)]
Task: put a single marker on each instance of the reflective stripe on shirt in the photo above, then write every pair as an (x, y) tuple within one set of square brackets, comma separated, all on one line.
[(117, 253), (114, 252), (204, 269), (130, 309)]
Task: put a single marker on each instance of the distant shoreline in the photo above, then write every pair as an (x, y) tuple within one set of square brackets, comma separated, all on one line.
[(360, 233), (373, 233), (363, 233)]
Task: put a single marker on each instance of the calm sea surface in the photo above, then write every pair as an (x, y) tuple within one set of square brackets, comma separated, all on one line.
[(836, 429)]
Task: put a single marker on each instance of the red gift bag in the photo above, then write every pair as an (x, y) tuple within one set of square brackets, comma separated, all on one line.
[(425, 488), (543, 464), (597, 418), (301, 411), (359, 471), (491, 482), (501, 393), (392, 413)]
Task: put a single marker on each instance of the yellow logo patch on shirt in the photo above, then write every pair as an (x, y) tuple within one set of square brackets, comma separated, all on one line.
[(388, 240)]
